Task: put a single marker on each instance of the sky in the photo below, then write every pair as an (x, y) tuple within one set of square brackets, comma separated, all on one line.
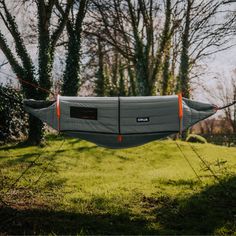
[(219, 65), (223, 62)]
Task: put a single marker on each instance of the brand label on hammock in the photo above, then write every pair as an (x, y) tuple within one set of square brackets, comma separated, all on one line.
[(142, 119)]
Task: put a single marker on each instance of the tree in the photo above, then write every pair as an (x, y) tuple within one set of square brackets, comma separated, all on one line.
[(224, 93), (161, 42), (207, 29), (132, 29), (71, 74), (21, 61), (12, 117), (100, 89)]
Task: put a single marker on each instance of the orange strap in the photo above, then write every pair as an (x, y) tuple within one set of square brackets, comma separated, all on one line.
[(119, 138), (180, 105), (58, 111), (180, 102)]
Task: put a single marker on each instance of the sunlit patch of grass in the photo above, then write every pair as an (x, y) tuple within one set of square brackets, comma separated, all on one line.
[(79, 188)]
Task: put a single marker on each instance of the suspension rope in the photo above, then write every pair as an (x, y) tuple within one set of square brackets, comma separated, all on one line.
[(50, 92), (29, 83), (226, 106)]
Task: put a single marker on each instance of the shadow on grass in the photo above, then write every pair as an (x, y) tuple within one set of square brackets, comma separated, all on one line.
[(190, 183), (26, 143), (20, 145), (23, 157), (14, 146), (212, 211), (37, 221), (86, 148), (29, 158)]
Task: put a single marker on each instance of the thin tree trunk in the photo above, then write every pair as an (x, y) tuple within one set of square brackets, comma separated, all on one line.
[(71, 75), (71, 78), (100, 82), (158, 62), (184, 81), (166, 74), (35, 134), (132, 87)]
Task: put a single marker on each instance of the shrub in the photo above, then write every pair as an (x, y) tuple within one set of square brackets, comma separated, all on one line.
[(194, 138), (13, 123)]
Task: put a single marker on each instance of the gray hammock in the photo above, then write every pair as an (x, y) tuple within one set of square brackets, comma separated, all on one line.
[(120, 122)]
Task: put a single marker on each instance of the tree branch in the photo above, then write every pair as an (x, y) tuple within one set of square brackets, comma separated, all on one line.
[(65, 14), (16, 67), (20, 47)]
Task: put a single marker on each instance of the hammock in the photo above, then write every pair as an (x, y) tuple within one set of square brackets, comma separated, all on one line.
[(120, 122)]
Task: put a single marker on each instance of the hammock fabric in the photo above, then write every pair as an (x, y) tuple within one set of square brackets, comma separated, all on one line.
[(120, 122)]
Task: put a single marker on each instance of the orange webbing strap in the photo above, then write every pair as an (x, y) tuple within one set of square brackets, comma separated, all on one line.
[(180, 102), (119, 138), (58, 111)]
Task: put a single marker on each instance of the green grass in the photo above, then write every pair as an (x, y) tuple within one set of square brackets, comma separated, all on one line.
[(75, 187)]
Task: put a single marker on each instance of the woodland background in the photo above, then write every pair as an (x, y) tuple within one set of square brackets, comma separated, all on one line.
[(111, 48)]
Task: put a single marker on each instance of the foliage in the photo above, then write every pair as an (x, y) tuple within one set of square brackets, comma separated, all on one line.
[(71, 76), (13, 119), (221, 139), (84, 189), (160, 43), (224, 92), (148, 47), (20, 59), (194, 138)]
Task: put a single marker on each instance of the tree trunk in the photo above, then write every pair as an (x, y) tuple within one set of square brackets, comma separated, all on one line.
[(132, 87), (164, 41), (142, 78), (234, 111), (71, 75), (35, 134), (166, 74), (184, 81), (167, 38), (100, 81), (122, 89)]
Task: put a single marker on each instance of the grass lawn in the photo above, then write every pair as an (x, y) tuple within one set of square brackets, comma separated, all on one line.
[(75, 187)]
